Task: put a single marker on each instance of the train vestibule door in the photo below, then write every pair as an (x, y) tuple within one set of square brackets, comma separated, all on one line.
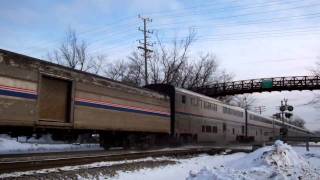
[(224, 132), (55, 100)]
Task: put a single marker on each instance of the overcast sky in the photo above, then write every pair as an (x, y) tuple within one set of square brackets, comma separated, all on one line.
[(250, 38)]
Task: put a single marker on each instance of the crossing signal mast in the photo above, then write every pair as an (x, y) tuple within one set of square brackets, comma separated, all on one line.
[(283, 108), (144, 45)]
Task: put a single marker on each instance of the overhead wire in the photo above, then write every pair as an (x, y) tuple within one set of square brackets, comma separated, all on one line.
[(250, 22), (122, 36), (242, 15), (216, 10), (117, 22)]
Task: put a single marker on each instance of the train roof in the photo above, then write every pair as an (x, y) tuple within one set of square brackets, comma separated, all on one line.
[(196, 94), (36, 61)]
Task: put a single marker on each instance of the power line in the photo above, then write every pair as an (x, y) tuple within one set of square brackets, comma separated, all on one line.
[(89, 31), (244, 14), (274, 60), (220, 38), (205, 37), (131, 16), (265, 34), (200, 10), (235, 36), (251, 22), (206, 5)]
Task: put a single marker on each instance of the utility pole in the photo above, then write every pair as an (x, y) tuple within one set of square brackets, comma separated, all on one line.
[(145, 45), (246, 118), (260, 109)]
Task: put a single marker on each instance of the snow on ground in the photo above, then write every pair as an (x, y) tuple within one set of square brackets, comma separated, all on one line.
[(180, 170), (312, 156), (279, 161), (46, 144)]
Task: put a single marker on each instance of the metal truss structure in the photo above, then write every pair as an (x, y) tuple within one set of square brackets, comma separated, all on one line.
[(261, 85)]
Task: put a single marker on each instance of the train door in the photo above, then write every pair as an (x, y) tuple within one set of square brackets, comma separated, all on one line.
[(55, 100), (224, 132)]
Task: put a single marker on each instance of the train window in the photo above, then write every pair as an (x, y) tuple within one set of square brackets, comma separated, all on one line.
[(233, 131), (214, 129), (256, 132), (215, 107), (225, 110), (242, 129), (200, 103), (260, 131), (224, 127), (193, 101), (183, 99), (232, 112), (208, 128), (203, 129)]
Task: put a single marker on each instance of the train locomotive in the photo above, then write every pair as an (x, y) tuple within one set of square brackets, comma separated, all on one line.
[(39, 97)]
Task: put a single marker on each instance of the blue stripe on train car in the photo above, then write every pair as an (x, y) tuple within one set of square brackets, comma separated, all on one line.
[(119, 109), (17, 94)]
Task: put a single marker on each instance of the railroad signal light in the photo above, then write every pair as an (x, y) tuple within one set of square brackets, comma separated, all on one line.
[(288, 115), (290, 108), (283, 108)]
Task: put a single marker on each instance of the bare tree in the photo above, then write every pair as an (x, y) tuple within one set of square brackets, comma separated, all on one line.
[(170, 64), (74, 53), (117, 71), (298, 121), (316, 69), (317, 132), (316, 96), (243, 101)]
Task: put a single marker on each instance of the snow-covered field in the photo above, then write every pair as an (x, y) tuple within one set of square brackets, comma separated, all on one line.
[(46, 144)]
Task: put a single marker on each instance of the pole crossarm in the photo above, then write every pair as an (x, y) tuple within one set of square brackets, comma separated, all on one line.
[(260, 85)]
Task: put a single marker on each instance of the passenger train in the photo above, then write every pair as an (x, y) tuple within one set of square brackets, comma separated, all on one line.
[(38, 97)]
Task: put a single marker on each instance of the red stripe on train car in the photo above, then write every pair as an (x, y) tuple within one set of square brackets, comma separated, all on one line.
[(10, 88)]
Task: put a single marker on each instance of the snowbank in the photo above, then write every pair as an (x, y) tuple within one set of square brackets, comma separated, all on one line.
[(12, 146), (279, 161)]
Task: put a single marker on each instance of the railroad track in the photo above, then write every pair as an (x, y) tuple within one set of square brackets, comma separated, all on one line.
[(25, 163)]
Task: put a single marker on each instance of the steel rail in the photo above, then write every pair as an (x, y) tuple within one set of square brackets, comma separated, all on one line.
[(37, 164)]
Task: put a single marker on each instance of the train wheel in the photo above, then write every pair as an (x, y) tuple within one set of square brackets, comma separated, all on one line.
[(105, 141)]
